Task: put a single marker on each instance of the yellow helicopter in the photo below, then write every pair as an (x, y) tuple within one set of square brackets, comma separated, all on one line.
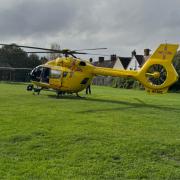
[(69, 74)]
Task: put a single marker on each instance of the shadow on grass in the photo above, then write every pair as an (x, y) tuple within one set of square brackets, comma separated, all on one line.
[(127, 104)]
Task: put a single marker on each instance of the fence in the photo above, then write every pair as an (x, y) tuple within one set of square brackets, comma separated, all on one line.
[(14, 74)]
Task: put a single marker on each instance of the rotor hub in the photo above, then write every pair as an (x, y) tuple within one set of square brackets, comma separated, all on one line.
[(156, 74)]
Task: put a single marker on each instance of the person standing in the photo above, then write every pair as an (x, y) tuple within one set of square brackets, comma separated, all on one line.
[(88, 89)]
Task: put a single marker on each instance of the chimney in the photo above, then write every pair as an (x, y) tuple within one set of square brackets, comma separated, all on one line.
[(113, 57), (146, 52), (90, 60), (133, 53), (101, 59)]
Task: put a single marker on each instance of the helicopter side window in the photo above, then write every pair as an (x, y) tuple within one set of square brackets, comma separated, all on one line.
[(45, 75), (55, 74)]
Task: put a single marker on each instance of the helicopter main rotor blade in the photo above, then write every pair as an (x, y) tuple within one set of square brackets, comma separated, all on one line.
[(48, 49), (31, 47), (63, 51), (89, 49), (42, 52), (96, 54), (69, 53)]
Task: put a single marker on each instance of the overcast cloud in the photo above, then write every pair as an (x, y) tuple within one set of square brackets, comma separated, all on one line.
[(119, 25)]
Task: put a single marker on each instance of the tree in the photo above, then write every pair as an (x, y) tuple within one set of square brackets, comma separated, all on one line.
[(176, 62), (33, 60), (43, 59), (18, 58), (53, 56), (14, 56)]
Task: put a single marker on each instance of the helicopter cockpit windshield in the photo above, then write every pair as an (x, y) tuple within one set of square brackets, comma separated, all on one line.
[(40, 74)]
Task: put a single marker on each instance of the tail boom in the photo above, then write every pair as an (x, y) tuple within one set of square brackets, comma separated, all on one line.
[(114, 72), (157, 74)]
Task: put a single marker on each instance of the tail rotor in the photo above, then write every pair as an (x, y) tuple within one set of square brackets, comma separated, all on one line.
[(158, 73)]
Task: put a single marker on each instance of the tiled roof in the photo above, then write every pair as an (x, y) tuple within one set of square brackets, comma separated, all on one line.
[(125, 61), (140, 59), (106, 63)]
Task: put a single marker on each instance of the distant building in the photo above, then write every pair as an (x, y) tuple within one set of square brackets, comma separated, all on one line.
[(146, 54), (105, 63), (104, 80), (135, 62), (122, 63)]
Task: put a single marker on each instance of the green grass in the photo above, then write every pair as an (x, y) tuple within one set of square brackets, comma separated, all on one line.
[(112, 134)]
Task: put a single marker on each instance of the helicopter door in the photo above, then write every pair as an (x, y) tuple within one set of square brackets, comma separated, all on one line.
[(55, 78), (45, 75)]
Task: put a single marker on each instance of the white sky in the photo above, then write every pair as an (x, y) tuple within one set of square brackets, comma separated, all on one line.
[(119, 25)]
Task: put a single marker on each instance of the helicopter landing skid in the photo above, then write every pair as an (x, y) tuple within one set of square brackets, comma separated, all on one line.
[(60, 93), (37, 90)]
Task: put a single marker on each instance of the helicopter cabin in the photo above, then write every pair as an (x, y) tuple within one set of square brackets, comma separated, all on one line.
[(42, 74)]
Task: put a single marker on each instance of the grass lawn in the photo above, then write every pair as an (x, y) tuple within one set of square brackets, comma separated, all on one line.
[(111, 134)]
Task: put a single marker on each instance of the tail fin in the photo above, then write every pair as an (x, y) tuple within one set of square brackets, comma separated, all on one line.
[(165, 52), (158, 73)]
